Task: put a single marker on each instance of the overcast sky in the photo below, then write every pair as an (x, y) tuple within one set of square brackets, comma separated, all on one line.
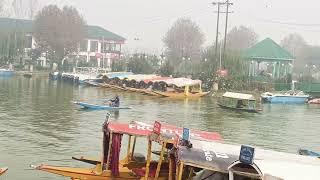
[(149, 20)]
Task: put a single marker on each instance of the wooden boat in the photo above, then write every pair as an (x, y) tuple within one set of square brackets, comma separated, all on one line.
[(133, 166), (307, 152), (226, 161), (27, 75), (180, 88), (239, 102), (3, 170), (98, 107), (314, 101)]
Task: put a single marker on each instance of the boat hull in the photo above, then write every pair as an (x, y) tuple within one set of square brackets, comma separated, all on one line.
[(3, 170), (314, 101), (87, 173), (239, 109), (285, 99), (98, 107), (6, 73), (306, 152)]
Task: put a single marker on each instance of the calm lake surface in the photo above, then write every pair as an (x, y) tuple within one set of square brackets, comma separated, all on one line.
[(39, 124)]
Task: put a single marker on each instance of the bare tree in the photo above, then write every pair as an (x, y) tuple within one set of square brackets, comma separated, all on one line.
[(3, 11), (19, 10), (59, 30), (241, 38), (33, 8), (294, 43), (183, 40)]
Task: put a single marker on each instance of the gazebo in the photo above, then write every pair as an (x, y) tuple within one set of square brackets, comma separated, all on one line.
[(268, 53)]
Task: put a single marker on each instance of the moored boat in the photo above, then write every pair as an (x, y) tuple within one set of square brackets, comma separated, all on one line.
[(6, 72), (289, 97), (3, 170), (314, 101), (239, 102), (133, 166), (27, 75), (179, 88)]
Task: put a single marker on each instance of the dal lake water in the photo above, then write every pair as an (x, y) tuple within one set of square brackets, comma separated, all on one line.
[(39, 123)]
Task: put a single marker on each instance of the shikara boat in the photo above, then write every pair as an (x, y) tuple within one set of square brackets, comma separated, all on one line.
[(134, 165), (27, 75), (239, 102), (98, 107), (179, 88), (214, 160), (3, 170)]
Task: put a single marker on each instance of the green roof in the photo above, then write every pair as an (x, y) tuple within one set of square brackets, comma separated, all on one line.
[(268, 50), (93, 32)]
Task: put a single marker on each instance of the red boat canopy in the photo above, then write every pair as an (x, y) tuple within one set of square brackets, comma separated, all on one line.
[(142, 129)]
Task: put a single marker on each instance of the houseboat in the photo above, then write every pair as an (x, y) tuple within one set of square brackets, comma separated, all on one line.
[(239, 102)]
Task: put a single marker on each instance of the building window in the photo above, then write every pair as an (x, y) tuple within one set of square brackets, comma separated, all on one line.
[(94, 46), (28, 42), (84, 46), (93, 61), (105, 47), (112, 47)]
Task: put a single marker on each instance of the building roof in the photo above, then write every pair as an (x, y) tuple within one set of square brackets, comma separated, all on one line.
[(268, 50), (93, 32)]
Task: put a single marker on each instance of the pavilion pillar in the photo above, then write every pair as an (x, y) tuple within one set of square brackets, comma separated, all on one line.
[(279, 66)]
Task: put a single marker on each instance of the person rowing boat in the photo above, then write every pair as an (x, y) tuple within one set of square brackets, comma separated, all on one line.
[(114, 102)]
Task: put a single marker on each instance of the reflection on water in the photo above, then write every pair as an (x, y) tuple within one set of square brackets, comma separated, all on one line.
[(39, 123)]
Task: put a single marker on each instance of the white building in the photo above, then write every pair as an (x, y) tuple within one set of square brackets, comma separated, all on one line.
[(99, 48)]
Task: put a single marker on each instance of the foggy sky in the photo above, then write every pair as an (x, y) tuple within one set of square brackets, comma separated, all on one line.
[(149, 20)]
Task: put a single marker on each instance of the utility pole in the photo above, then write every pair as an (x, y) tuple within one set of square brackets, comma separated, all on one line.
[(226, 30), (217, 32)]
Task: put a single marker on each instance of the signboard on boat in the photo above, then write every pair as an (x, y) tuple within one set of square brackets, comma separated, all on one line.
[(246, 155), (142, 129), (186, 134), (157, 127)]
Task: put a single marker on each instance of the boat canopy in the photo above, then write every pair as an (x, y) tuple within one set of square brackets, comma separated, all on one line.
[(136, 128), (216, 156), (120, 75), (156, 79), (181, 82), (141, 77), (239, 96)]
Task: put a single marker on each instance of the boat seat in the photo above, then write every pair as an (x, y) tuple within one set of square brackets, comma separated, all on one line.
[(138, 157), (152, 169)]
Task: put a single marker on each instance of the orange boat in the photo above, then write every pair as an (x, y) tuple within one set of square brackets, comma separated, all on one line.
[(134, 165), (3, 170)]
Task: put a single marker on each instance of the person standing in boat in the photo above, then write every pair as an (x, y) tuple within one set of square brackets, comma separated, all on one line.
[(114, 102)]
